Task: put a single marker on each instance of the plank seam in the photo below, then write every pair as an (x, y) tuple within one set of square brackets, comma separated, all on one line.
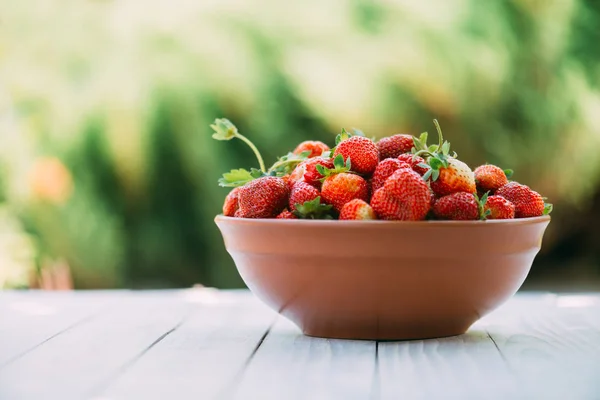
[(100, 388), (68, 328), (375, 386)]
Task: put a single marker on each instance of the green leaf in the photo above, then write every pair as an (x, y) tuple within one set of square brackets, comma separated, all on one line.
[(548, 207), (435, 175), (423, 138), (509, 173), (321, 169), (484, 199), (435, 163), (433, 148), (338, 161), (237, 177), (327, 154), (358, 132), (224, 129), (423, 165), (446, 148), (348, 163), (342, 136), (427, 174), (313, 209)]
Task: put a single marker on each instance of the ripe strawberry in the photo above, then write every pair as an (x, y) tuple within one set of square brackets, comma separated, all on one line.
[(457, 206), (362, 152), (357, 209), (385, 206), (489, 178), (414, 162), (263, 197), (315, 148), (302, 192), (307, 171), (406, 186), (528, 203), (457, 177), (384, 170), (338, 189), (239, 214), (393, 146), (285, 214), (499, 208), (231, 205)]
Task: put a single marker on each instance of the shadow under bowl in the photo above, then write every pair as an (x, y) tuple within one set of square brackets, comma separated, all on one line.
[(383, 280)]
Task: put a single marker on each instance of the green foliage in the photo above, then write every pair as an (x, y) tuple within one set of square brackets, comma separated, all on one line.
[(514, 83), (313, 209)]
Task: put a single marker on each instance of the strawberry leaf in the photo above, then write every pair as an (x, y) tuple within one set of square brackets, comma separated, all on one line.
[(342, 136), (548, 207), (423, 165), (509, 173), (224, 129), (321, 169), (446, 148), (435, 175), (313, 209), (286, 164), (427, 174), (358, 132), (327, 154), (238, 177), (338, 161)]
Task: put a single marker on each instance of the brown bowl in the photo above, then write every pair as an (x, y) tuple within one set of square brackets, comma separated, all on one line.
[(381, 279)]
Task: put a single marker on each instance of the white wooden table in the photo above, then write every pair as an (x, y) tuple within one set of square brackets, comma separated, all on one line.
[(206, 344)]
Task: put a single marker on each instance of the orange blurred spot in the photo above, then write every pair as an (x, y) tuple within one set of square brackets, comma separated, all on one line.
[(51, 181)]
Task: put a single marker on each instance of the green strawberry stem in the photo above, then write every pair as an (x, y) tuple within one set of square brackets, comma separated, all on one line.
[(261, 163), (439, 131), (226, 130)]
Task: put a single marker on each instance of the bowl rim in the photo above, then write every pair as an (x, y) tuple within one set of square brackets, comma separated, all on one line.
[(354, 223)]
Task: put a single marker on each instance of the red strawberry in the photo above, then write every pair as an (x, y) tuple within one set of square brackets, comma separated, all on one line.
[(230, 206), (458, 177), (302, 192), (285, 214), (385, 206), (315, 147), (393, 146), (489, 178), (528, 203), (239, 214), (307, 171), (406, 186), (414, 162), (338, 189), (263, 197), (384, 170), (457, 206), (362, 152), (499, 208), (357, 209)]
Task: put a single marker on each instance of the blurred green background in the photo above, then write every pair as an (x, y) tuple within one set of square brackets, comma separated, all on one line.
[(107, 165)]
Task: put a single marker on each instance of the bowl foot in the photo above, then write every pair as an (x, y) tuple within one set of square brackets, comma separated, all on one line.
[(413, 333)]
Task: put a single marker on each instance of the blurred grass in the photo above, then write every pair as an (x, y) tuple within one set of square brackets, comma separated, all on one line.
[(122, 93)]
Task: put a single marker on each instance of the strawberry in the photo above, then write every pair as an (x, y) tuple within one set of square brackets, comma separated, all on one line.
[(357, 209), (231, 205), (384, 170), (285, 214), (446, 173), (457, 206), (406, 186), (456, 177), (340, 186), (338, 189), (393, 146), (307, 171), (385, 206), (263, 197), (361, 151), (499, 208), (414, 162), (528, 203), (489, 178), (302, 192), (313, 147)]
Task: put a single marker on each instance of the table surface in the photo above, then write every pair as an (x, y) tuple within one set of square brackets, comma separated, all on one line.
[(209, 344)]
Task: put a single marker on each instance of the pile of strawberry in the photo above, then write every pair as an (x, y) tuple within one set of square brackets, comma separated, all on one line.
[(397, 178)]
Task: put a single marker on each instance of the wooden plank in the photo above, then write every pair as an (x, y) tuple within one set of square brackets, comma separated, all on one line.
[(551, 344), (80, 361), (203, 357), (28, 319), (289, 365), (462, 367)]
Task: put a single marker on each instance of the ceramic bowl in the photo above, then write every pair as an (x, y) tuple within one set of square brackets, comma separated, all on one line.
[(380, 279)]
